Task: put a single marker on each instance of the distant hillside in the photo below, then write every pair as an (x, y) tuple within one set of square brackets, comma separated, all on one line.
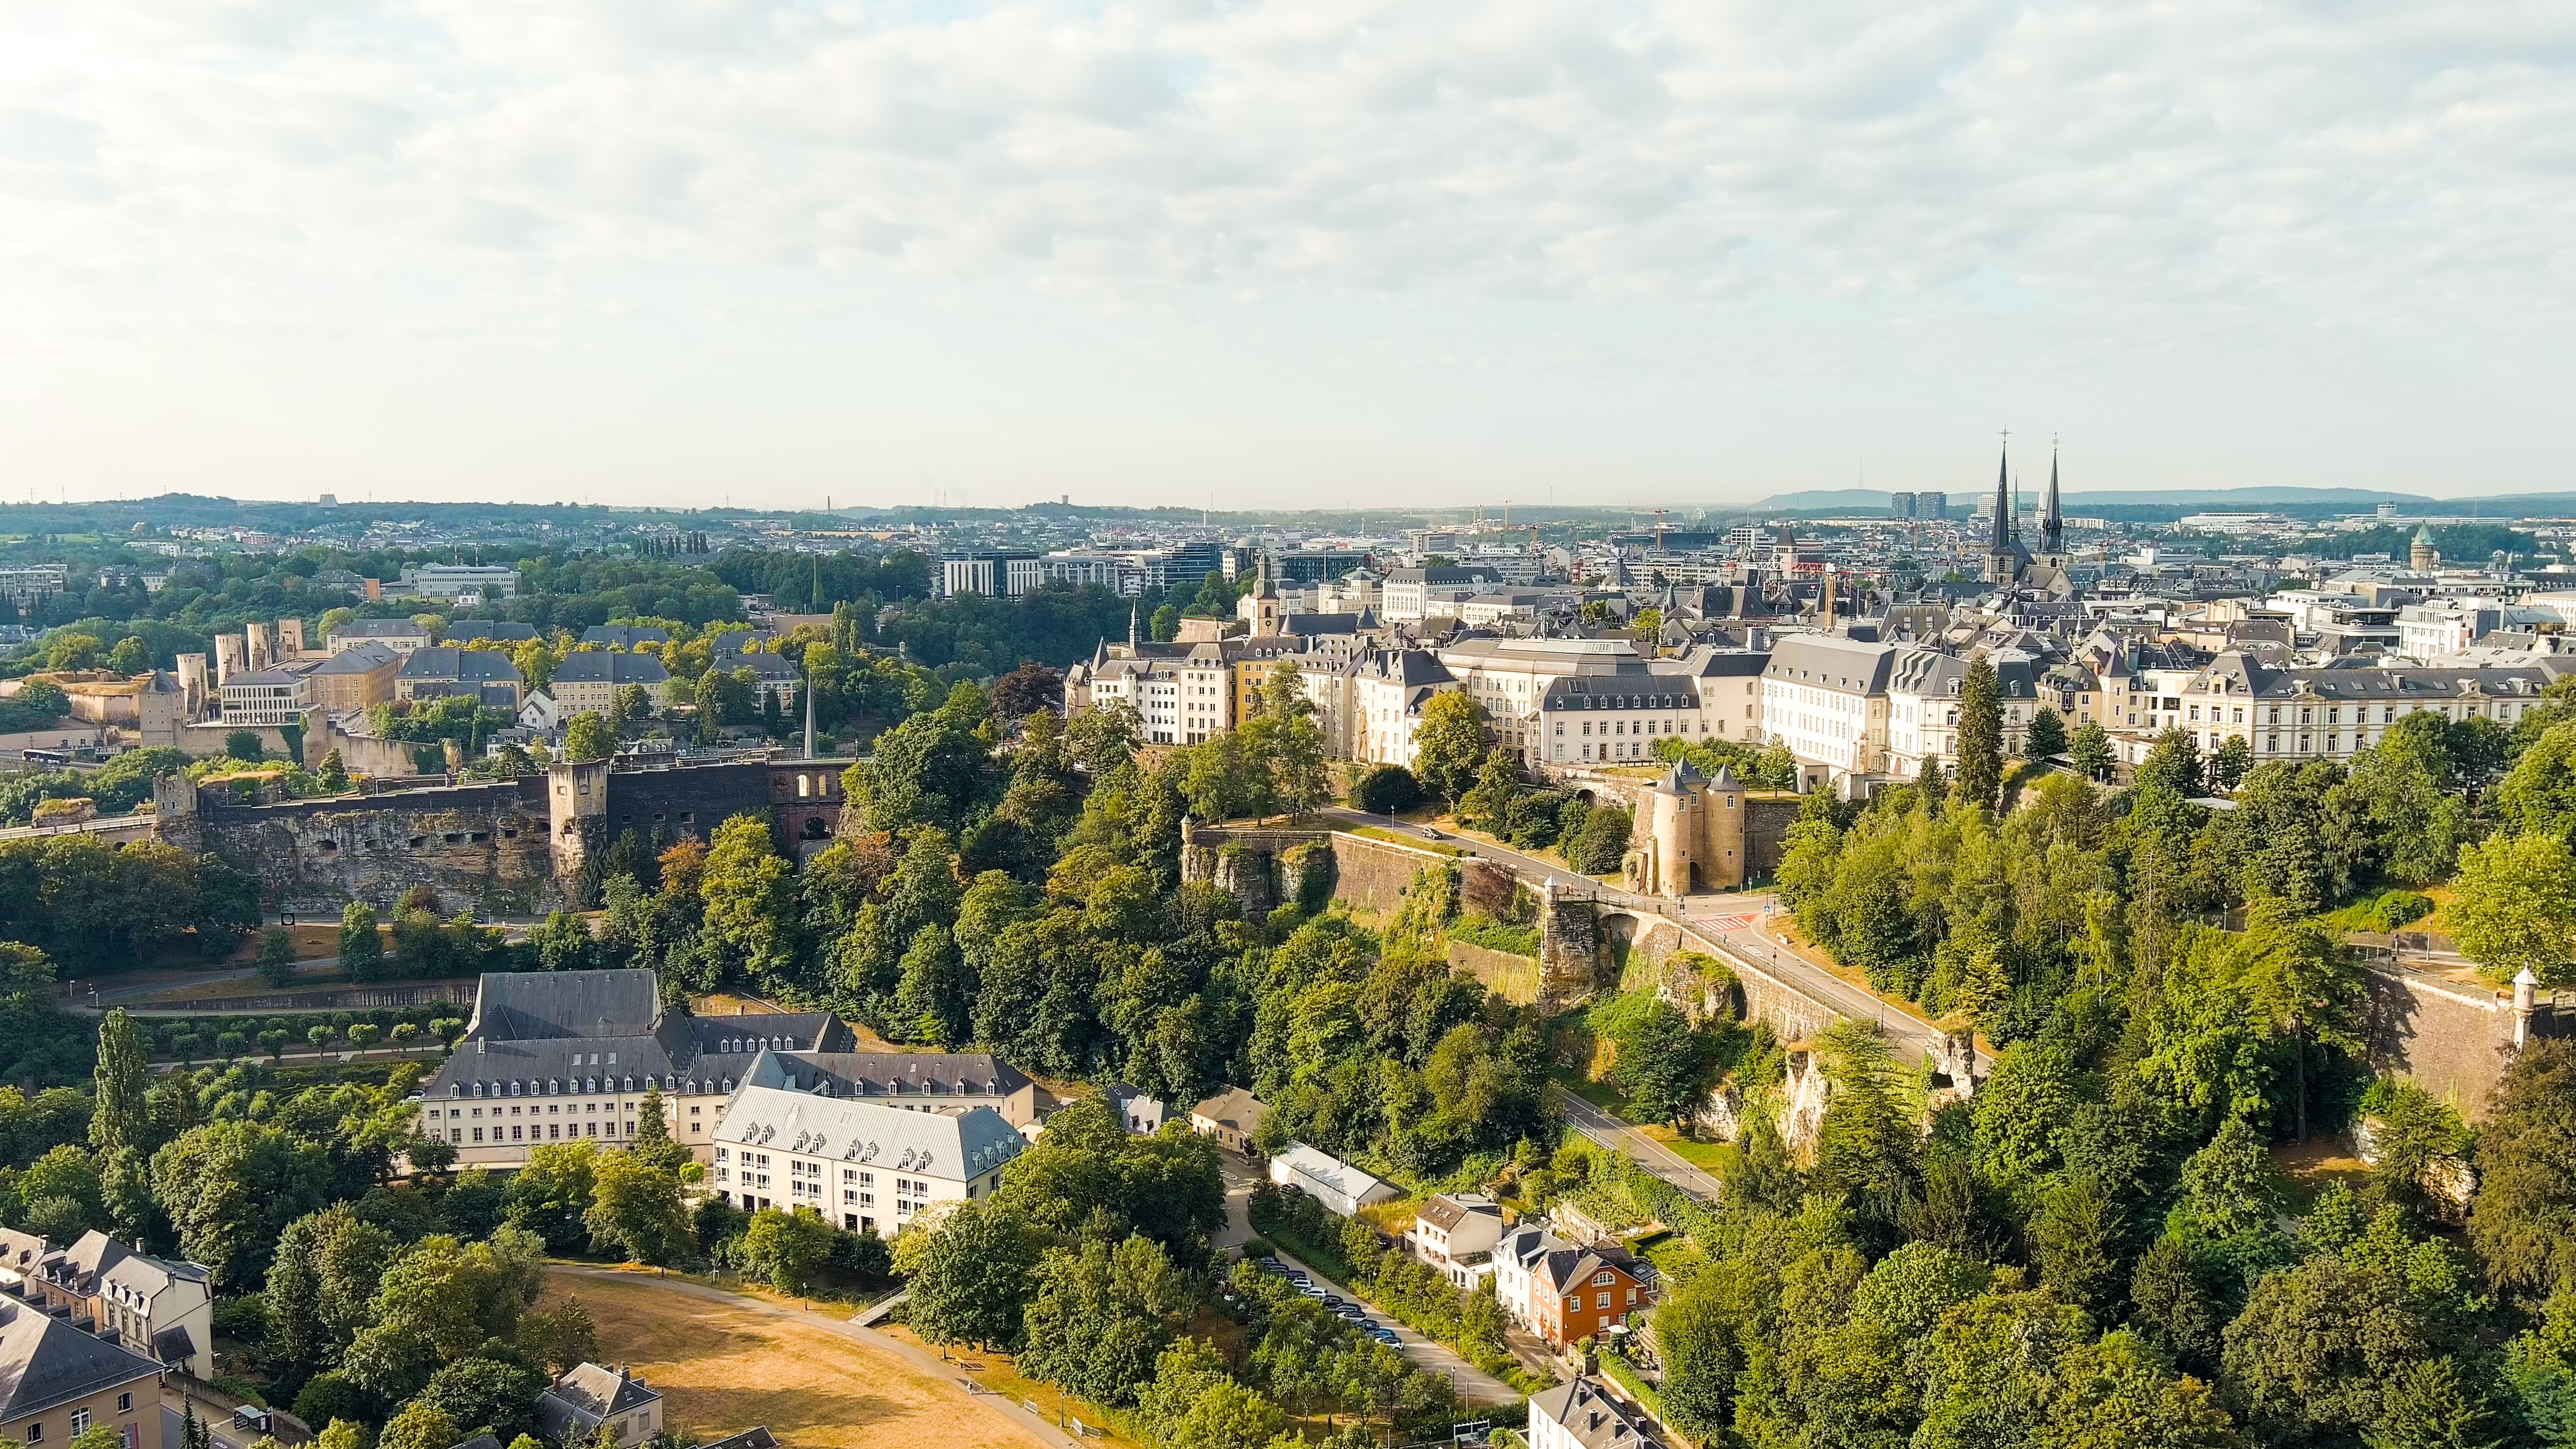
[(2358, 499)]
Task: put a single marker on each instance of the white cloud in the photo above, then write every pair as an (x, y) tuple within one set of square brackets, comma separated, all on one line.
[(1824, 183)]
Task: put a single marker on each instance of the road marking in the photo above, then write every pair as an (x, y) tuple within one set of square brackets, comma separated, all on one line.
[(1723, 923)]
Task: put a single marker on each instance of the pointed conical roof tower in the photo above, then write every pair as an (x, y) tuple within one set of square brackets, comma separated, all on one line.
[(1999, 538), (2052, 520)]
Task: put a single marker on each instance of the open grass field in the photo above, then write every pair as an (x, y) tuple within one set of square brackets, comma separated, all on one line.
[(722, 1368)]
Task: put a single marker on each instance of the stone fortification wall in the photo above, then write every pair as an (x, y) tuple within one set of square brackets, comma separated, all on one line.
[(2454, 1039), (478, 846), (1516, 978), (1373, 875), (1767, 818)]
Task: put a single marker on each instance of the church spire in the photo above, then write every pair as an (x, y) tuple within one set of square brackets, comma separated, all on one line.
[(2052, 518), (1132, 629), (2001, 536)]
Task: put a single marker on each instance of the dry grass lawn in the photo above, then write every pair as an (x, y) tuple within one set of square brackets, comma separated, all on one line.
[(722, 1369)]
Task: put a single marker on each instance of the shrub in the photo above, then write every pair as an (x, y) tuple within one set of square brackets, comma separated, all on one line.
[(1386, 790)]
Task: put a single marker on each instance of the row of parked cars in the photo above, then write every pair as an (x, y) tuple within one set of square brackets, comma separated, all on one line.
[(1340, 1307)]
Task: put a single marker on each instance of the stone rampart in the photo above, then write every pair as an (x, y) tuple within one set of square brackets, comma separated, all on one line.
[(478, 846), (2453, 1038), (1514, 977)]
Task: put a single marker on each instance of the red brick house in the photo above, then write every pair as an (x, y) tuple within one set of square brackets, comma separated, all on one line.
[(1578, 1293)]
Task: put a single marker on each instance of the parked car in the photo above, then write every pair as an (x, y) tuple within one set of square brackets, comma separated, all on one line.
[(1385, 1336)]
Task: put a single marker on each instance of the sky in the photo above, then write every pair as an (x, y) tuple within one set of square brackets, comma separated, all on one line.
[(1253, 254)]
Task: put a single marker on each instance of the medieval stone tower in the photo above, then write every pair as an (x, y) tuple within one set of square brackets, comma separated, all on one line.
[(576, 815), (1693, 837)]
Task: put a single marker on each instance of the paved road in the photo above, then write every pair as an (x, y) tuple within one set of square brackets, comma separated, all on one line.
[(1473, 1383), (1654, 1156), (1753, 945), (921, 1358), (1528, 867)]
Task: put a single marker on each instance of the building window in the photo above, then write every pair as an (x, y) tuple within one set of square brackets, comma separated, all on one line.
[(80, 1422)]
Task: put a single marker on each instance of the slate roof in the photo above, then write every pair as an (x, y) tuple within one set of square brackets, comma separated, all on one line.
[(473, 666), (587, 1394), (575, 1031), (625, 636), (1596, 1418), (1827, 661), (499, 631), (45, 1361), (378, 629), (527, 1005), (364, 657), (603, 666), (886, 1074), (953, 1145)]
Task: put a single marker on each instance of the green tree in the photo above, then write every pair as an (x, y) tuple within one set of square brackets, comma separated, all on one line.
[(276, 959), (1981, 734), (1100, 1317), (322, 1286), (2175, 1307), (1602, 843), (749, 900), (2076, 1238), (439, 1302), (2318, 1351), (362, 946), (2046, 736), (635, 1209), (558, 1338), (2302, 978), (1292, 742), (2515, 907), (491, 1395), (2523, 1220), (2090, 750), (654, 1145), (1489, 804), (122, 1117), (587, 736), (231, 1188), (787, 1248), (971, 1284), (420, 1426), (1449, 745), (550, 1196), (2230, 762), (932, 999), (72, 650)]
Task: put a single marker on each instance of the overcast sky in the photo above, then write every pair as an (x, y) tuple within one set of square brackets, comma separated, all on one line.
[(1269, 254)]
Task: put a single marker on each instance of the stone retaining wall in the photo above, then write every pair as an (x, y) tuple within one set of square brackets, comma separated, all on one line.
[(1516, 978)]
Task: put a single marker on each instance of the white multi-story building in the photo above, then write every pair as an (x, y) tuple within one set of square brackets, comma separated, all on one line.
[(2337, 713), (2446, 626), (1412, 595), (458, 581), (1178, 701), (1825, 697), (1923, 689), (862, 1165), (996, 574), (27, 585), (277, 695), (1456, 1233), (1370, 709)]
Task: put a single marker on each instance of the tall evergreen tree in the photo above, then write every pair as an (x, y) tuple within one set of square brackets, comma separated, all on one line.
[(2047, 736), (1981, 734), (122, 1119)]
